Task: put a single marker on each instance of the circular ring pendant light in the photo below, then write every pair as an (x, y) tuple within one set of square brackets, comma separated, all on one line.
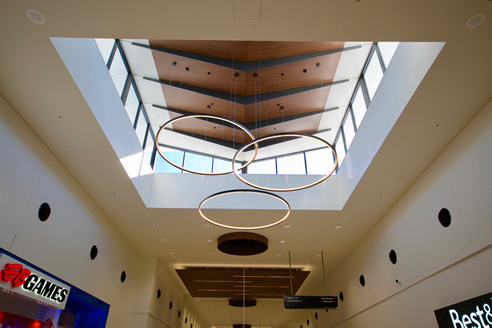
[(277, 136), (243, 191), (215, 117)]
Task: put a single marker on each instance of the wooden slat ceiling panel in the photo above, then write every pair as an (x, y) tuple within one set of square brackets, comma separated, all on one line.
[(261, 287), (197, 103), (268, 80), (232, 50), (271, 79), (303, 125), (304, 102), (220, 78), (209, 129), (262, 50)]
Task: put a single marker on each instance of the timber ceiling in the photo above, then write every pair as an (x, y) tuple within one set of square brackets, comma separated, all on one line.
[(271, 87), (228, 283)]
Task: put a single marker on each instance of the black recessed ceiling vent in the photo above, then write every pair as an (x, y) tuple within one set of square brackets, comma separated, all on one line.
[(238, 302), (242, 243)]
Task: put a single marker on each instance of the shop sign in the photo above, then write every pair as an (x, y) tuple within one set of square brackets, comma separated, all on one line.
[(310, 302), (475, 312), (18, 278)]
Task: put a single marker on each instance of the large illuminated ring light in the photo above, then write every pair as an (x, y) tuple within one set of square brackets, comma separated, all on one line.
[(215, 117), (243, 191), (276, 136)]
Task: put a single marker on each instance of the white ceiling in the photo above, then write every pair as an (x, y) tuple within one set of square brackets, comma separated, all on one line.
[(455, 88)]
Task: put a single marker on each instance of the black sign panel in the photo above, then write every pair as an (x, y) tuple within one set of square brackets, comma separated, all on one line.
[(475, 312), (310, 302)]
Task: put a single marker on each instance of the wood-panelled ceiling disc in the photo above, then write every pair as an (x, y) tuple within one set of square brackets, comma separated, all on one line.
[(239, 302), (242, 243)]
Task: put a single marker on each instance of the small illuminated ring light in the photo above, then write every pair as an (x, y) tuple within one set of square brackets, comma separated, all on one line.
[(174, 120), (243, 191), (283, 135)]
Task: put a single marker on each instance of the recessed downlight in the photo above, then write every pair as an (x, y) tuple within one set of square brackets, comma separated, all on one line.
[(282, 241), (36, 17), (475, 21), (163, 239), (338, 227), (210, 240)]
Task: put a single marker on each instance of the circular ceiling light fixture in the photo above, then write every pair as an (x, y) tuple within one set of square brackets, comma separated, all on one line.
[(242, 243), (239, 302), (208, 116), (240, 325), (222, 193), (277, 136), (36, 17), (475, 21)]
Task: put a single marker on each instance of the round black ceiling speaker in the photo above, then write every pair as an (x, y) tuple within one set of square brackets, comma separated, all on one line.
[(240, 325), (238, 302), (242, 243)]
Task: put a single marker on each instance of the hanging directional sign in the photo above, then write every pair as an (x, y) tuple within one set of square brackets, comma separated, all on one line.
[(310, 302)]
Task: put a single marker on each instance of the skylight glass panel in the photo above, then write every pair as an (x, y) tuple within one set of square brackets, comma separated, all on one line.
[(105, 46), (373, 75), (198, 163), (340, 151), (223, 165), (319, 161), (118, 72), (359, 107), (131, 104), (292, 164), (263, 167), (175, 156), (141, 128), (348, 129), (388, 49)]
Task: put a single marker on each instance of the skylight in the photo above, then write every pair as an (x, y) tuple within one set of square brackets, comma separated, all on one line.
[(124, 58)]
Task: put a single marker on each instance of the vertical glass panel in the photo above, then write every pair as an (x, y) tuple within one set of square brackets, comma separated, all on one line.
[(221, 165), (198, 163), (293, 164), (388, 49), (146, 167), (131, 104), (263, 167), (118, 72), (175, 156), (373, 75), (319, 161), (141, 128), (105, 46), (340, 151), (348, 129), (359, 107)]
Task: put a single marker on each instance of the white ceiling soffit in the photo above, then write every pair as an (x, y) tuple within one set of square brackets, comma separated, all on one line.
[(409, 66)]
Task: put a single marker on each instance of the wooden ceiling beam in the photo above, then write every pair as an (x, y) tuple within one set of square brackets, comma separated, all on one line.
[(246, 66), (244, 100)]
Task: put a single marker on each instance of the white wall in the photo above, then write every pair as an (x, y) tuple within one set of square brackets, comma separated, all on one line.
[(31, 175), (437, 266), (152, 312)]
